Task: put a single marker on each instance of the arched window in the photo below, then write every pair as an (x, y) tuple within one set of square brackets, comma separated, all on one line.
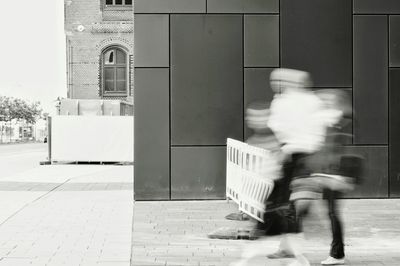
[(115, 71)]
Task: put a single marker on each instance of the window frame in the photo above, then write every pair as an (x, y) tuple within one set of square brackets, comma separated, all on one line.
[(104, 92), (123, 6)]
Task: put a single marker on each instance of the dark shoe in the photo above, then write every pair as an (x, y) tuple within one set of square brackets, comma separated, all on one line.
[(280, 254)]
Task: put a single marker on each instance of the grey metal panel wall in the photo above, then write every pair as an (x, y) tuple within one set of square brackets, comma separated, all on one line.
[(370, 80), (170, 6), (256, 88), (394, 37), (198, 172), (206, 79), (316, 37), (151, 41), (151, 134), (375, 179), (256, 85), (377, 6), (394, 145), (261, 41), (243, 6), (349, 118)]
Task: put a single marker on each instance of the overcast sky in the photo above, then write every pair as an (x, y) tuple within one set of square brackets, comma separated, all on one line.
[(33, 51)]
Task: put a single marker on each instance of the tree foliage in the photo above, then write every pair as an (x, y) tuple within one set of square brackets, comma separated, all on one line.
[(14, 108)]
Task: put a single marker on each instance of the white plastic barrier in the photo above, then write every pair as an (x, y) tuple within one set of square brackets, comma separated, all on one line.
[(249, 177), (91, 138), (234, 164)]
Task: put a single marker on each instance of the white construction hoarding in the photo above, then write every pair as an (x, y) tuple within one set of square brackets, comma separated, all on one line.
[(92, 138)]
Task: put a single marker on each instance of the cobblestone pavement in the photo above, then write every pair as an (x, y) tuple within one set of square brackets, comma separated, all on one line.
[(175, 233), (67, 215)]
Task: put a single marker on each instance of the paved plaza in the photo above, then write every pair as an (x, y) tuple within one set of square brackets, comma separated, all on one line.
[(85, 215), (175, 233), (63, 214)]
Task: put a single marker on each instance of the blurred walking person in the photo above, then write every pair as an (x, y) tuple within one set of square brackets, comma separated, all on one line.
[(338, 171), (298, 120)]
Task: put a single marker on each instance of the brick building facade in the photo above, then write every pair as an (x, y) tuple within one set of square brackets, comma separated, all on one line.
[(99, 42)]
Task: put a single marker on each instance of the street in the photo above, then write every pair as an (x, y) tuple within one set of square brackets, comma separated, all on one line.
[(15, 158)]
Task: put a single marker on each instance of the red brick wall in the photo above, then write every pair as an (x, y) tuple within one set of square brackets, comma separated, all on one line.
[(89, 29)]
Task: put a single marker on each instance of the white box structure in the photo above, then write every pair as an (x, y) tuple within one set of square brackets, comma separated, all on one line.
[(91, 138)]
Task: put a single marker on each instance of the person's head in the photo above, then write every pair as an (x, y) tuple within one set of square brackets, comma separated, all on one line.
[(257, 114), (283, 79)]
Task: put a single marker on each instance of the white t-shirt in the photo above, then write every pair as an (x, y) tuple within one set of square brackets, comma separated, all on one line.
[(299, 120)]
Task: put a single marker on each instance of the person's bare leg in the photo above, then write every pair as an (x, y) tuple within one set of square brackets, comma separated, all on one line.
[(295, 245), (296, 241), (284, 250)]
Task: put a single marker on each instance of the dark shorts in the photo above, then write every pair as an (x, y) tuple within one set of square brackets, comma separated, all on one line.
[(280, 217)]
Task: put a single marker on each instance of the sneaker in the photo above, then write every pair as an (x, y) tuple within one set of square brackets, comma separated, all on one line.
[(280, 254), (332, 261)]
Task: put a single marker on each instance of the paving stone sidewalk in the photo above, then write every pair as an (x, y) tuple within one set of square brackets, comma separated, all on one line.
[(84, 215), (175, 233), (67, 215)]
